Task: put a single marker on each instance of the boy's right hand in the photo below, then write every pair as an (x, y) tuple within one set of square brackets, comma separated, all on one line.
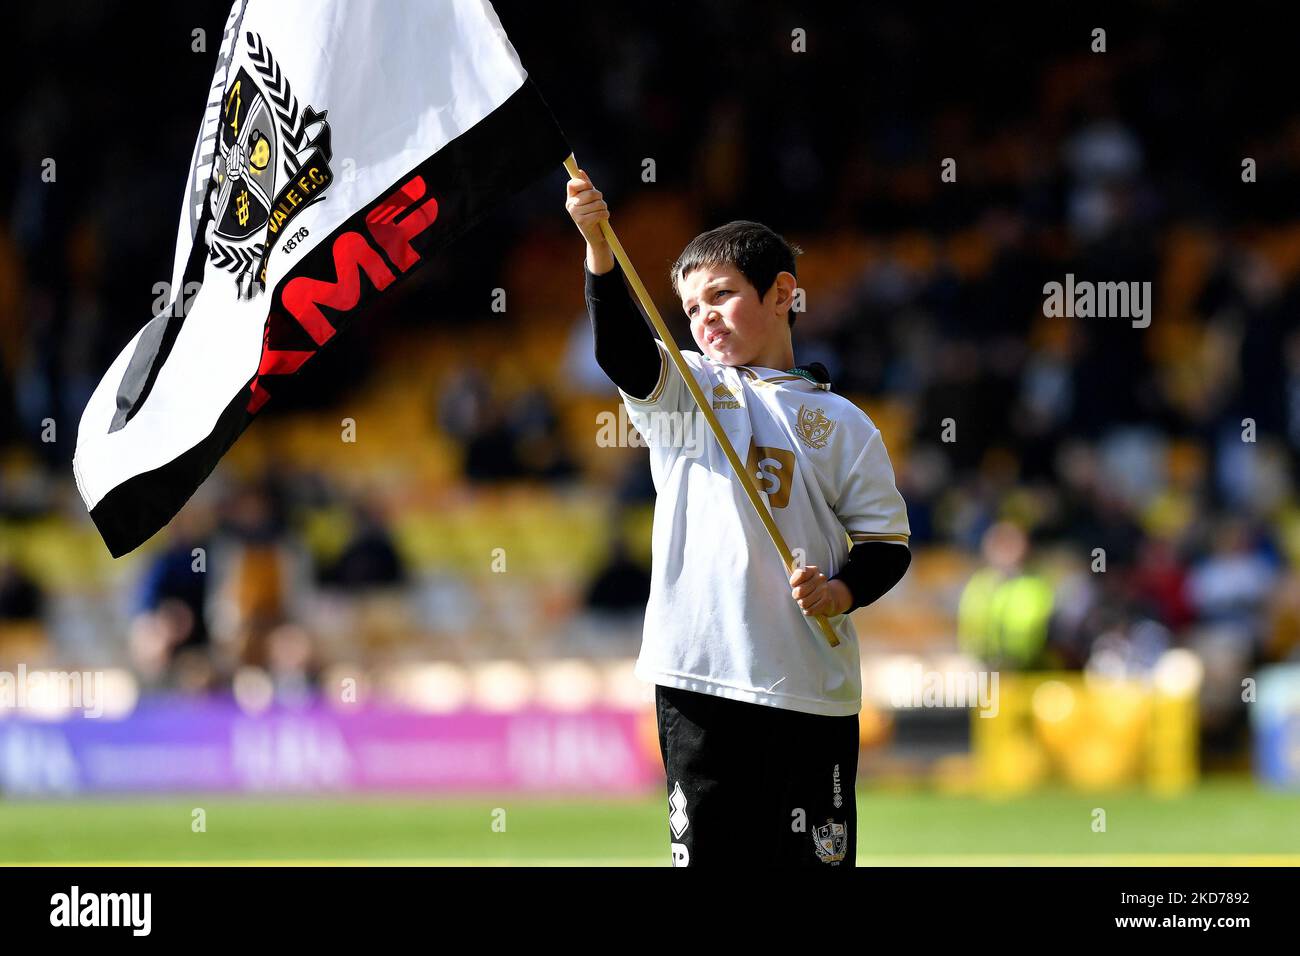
[(588, 209)]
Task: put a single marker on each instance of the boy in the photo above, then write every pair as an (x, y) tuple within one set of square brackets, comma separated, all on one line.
[(757, 713)]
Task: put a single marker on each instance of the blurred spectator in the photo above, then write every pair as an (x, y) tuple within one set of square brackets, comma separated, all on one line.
[(521, 439), (169, 634), (621, 586), (256, 594), (1160, 582), (612, 614), (370, 558), (1231, 584), (1006, 609), (291, 664), (470, 413), (20, 596), (1103, 157), (1282, 642), (581, 370), (539, 443)]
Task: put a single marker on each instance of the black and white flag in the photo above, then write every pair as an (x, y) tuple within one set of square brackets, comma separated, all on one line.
[(343, 143)]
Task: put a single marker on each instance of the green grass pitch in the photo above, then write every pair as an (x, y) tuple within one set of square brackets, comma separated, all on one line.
[(1221, 822)]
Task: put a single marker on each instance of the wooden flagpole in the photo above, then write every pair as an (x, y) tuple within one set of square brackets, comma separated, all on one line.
[(746, 479)]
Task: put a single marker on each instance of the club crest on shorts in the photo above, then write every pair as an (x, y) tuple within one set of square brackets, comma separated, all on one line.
[(831, 841), (271, 163), (813, 427)]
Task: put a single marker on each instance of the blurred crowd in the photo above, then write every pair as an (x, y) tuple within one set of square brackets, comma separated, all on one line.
[(1116, 490)]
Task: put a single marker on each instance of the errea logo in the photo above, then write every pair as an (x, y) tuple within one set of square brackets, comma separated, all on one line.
[(677, 819), (836, 799), (723, 397)]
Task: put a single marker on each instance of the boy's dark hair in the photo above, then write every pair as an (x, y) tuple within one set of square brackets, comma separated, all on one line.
[(755, 250)]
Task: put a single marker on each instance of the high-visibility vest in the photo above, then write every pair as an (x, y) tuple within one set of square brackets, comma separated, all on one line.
[(1003, 618)]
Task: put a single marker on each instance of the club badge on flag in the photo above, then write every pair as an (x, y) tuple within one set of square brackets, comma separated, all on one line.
[(343, 143)]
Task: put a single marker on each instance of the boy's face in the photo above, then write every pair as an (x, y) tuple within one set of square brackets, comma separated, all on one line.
[(729, 322)]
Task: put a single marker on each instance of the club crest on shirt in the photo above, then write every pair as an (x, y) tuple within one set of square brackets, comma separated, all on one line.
[(723, 397), (813, 427), (831, 841)]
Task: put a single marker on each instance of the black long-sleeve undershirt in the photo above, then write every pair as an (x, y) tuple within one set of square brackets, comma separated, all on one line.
[(625, 343), (872, 569), (627, 353)]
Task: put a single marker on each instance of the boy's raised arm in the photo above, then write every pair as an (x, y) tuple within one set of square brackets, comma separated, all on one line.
[(625, 344)]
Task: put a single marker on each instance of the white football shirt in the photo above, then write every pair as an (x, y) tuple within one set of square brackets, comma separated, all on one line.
[(720, 619)]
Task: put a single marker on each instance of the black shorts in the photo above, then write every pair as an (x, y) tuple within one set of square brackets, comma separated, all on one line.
[(750, 784)]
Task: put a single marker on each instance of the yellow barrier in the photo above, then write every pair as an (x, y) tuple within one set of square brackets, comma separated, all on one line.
[(1088, 733)]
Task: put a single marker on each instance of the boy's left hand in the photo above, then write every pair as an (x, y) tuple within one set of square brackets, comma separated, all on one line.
[(815, 594)]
